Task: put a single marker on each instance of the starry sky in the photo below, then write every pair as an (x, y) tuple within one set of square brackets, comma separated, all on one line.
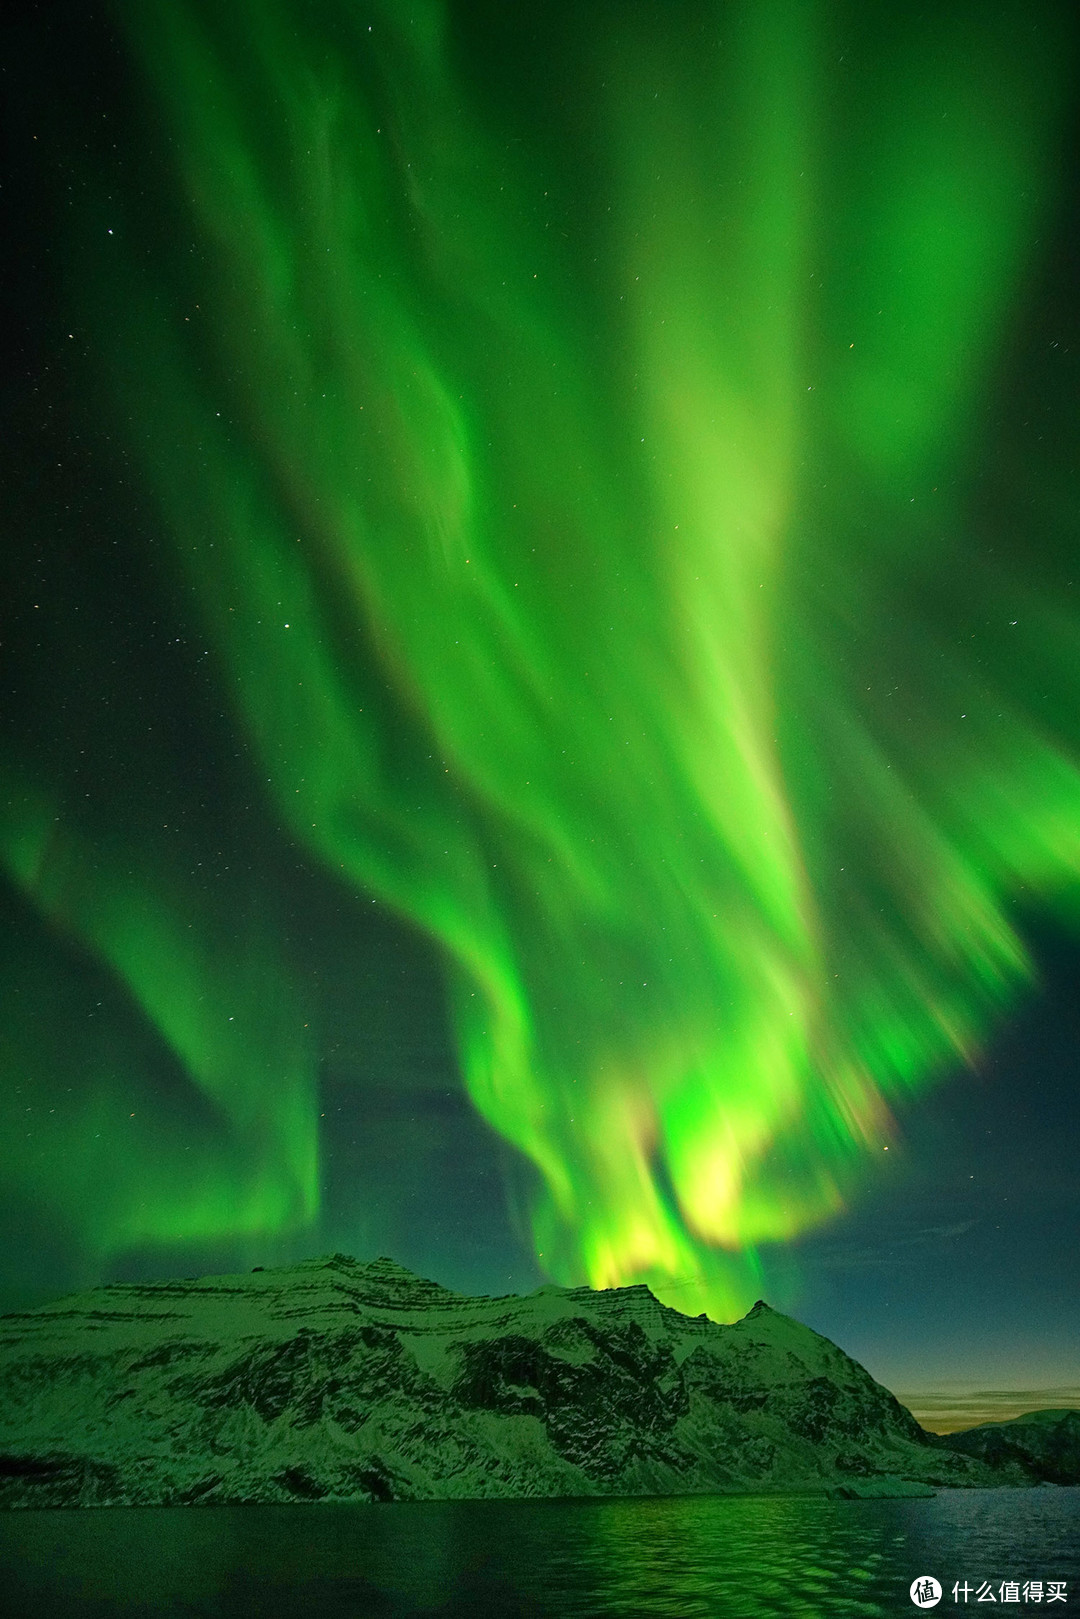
[(541, 658)]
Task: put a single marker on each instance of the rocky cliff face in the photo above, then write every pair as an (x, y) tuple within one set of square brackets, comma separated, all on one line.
[(335, 1379)]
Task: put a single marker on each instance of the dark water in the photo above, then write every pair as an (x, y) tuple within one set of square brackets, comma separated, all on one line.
[(686, 1558)]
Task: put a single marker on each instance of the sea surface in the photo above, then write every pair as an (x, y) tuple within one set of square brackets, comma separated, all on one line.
[(687, 1558)]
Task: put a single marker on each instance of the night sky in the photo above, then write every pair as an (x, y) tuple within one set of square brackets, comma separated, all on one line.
[(541, 656)]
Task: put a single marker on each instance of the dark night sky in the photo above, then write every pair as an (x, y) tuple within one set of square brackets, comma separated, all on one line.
[(955, 1264)]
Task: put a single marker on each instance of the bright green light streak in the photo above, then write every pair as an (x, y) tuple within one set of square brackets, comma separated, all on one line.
[(553, 639), (210, 980)]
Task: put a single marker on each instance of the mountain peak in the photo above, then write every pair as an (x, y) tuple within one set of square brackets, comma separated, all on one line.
[(760, 1308), (383, 1268)]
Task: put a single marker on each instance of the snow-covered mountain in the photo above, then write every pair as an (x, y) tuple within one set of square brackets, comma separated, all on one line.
[(335, 1379)]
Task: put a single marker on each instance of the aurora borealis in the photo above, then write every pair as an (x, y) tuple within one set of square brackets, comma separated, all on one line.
[(591, 454)]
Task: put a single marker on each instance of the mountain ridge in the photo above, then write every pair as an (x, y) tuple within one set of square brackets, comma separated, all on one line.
[(346, 1380)]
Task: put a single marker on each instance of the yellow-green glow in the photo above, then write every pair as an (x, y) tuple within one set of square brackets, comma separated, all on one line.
[(572, 592)]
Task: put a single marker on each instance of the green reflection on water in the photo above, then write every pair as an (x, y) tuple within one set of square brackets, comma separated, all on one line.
[(743, 1557), (694, 1558), (677, 1558)]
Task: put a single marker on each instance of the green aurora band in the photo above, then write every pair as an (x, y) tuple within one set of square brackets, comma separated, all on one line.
[(599, 596)]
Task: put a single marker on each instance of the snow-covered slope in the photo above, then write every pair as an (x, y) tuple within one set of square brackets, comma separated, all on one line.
[(334, 1379)]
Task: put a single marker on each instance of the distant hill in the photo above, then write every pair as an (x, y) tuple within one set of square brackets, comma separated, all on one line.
[(340, 1380), (1044, 1445)]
